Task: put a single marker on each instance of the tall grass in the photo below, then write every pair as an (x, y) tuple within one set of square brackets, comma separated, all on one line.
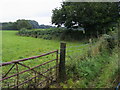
[(97, 72), (97, 68)]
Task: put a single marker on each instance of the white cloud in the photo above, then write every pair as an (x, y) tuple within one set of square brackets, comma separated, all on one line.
[(39, 10)]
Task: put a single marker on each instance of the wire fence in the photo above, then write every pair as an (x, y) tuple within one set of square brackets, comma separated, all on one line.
[(74, 52), (77, 48)]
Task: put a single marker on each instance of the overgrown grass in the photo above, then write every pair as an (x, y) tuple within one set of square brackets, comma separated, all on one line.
[(97, 68), (109, 73), (94, 72)]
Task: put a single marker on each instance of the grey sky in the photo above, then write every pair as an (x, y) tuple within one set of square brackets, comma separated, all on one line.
[(39, 10)]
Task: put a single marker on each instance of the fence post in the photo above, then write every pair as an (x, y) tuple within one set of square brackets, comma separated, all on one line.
[(62, 71), (17, 82)]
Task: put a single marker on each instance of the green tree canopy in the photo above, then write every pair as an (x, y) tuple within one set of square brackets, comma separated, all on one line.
[(23, 24), (92, 16)]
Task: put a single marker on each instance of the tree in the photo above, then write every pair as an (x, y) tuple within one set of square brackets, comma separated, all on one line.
[(92, 16), (34, 24), (9, 26), (23, 24)]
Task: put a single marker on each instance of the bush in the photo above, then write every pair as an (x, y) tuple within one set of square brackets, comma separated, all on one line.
[(53, 33)]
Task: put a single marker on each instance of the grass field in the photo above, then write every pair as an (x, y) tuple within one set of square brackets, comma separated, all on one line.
[(17, 47), (91, 71)]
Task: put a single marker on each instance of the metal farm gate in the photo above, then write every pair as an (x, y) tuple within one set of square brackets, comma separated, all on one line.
[(35, 72), (39, 79)]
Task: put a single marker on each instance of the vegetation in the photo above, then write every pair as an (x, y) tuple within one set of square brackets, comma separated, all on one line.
[(97, 72), (89, 67), (54, 33), (95, 18), (17, 47), (8, 26), (97, 68), (22, 23), (90, 62)]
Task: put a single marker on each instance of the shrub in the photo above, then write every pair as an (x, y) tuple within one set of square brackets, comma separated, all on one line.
[(53, 33)]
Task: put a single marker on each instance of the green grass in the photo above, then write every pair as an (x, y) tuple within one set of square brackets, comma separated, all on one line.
[(83, 70), (99, 69), (96, 72), (17, 47), (109, 73)]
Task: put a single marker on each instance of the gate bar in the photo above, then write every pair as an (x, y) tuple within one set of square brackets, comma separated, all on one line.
[(8, 63)]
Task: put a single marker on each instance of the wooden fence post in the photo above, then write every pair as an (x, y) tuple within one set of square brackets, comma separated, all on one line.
[(62, 71)]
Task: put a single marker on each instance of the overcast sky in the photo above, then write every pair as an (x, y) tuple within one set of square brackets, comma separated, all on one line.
[(38, 10)]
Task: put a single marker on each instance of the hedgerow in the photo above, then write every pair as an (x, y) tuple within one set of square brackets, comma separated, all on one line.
[(53, 33)]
